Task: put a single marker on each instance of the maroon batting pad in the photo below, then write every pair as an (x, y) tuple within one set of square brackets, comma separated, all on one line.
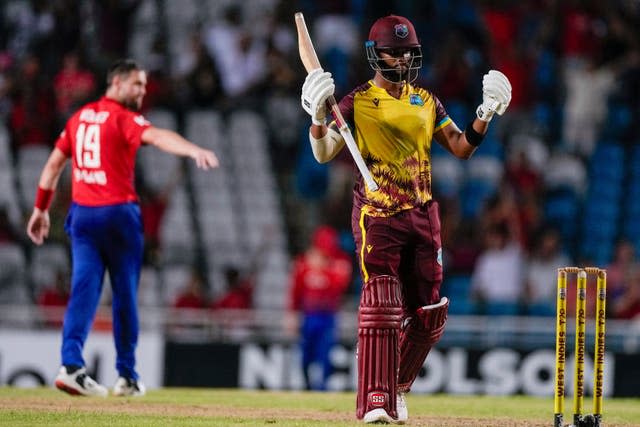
[(421, 332), (379, 321)]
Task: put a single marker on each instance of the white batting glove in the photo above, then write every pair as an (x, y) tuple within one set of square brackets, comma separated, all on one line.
[(496, 95), (317, 87)]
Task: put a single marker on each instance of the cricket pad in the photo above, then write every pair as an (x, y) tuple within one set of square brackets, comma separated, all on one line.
[(420, 333), (379, 322)]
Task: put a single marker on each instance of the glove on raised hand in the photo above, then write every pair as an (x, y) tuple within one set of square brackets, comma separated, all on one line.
[(496, 95), (317, 87)]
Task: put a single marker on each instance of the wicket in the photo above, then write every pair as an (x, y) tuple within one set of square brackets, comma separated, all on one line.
[(580, 420)]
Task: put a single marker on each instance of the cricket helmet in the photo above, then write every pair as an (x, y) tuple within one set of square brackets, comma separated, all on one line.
[(396, 36)]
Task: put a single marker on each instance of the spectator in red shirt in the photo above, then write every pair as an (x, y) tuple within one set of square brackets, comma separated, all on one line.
[(618, 270), (73, 85), (628, 305), (193, 295), (319, 279), (153, 206), (239, 294), (53, 299), (32, 116)]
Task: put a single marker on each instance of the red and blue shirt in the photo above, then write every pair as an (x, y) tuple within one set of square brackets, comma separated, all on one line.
[(102, 139)]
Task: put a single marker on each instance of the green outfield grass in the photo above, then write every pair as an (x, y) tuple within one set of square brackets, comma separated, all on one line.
[(216, 407)]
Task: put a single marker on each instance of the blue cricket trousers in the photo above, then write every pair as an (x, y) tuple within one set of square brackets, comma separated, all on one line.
[(104, 238), (318, 336)]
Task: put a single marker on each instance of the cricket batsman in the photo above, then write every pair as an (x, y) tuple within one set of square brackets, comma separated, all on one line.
[(396, 228)]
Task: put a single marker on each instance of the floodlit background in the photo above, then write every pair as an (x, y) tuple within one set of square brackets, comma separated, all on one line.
[(556, 181)]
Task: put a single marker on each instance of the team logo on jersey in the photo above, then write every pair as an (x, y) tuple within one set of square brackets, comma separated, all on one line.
[(416, 99), (376, 101), (401, 30), (439, 259)]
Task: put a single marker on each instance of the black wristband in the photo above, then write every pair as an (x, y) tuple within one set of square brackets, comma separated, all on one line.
[(474, 138)]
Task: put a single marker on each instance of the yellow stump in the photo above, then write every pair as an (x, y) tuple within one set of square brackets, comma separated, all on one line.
[(561, 343), (580, 347), (598, 353)]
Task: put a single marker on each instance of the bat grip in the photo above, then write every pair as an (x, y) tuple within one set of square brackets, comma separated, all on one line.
[(337, 115), (351, 145)]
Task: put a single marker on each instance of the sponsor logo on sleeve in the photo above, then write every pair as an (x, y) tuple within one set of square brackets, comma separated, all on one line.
[(141, 121)]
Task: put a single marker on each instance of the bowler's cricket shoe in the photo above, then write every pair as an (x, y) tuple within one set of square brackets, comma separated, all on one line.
[(79, 383), (129, 387), (401, 409)]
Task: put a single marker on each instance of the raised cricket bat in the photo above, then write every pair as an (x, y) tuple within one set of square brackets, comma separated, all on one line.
[(311, 62)]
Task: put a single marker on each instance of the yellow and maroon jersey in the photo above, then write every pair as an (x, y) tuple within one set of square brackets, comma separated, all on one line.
[(394, 137)]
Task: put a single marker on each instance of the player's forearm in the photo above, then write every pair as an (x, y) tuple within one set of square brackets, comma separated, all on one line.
[(461, 148), (52, 170), (461, 143), (326, 143), (169, 141), (472, 137)]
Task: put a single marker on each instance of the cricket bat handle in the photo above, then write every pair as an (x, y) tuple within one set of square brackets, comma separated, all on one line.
[(351, 145), (311, 62)]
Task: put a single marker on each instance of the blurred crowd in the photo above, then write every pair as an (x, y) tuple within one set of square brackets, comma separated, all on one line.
[(574, 67)]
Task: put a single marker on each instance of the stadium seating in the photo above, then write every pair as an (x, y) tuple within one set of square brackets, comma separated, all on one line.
[(174, 279), (159, 168), (631, 199), (238, 209), (234, 215), (601, 213), (176, 230), (12, 274), (565, 170), (482, 180), (46, 261), (561, 207), (447, 175), (31, 159), (457, 287), (8, 194)]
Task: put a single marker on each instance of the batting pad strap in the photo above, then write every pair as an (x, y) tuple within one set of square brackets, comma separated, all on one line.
[(326, 147), (380, 317)]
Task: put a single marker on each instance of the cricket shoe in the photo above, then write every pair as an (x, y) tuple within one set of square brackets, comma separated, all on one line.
[(377, 416), (79, 383), (380, 416), (129, 387), (401, 409)]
